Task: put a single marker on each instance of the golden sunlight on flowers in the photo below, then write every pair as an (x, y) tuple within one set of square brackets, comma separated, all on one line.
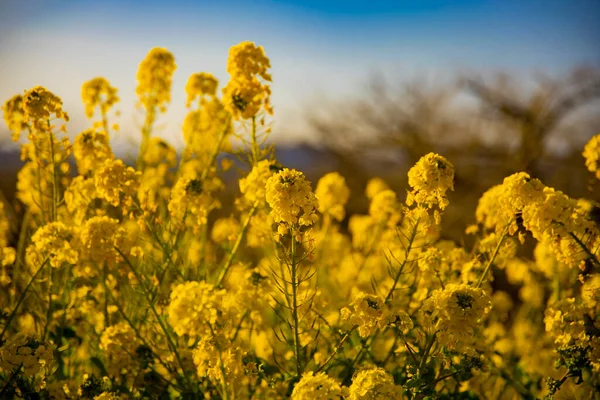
[(591, 153), (318, 387), (155, 76), (98, 93), (333, 195), (14, 116), (293, 203), (249, 88), (40, 105), (372, 384), (213, 271), (430, 178), (200, 85)]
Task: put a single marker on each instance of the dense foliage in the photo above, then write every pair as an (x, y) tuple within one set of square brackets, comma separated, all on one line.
[(119, 281)]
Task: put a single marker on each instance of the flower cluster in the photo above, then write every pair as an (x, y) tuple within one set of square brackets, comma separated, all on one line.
[(430, 179), (591, 153), (194, 308), (153, 281), (119, 344), (91, 149), (372, 384), (333, 195), (34, 358), (368, 312), (248, 90), (115, 180), (454, 313), (292, 201), (200, 85), (14, 116), (155, 77), (96, 93), (253, 186), (318, 386), (40, 105), (55, 241)]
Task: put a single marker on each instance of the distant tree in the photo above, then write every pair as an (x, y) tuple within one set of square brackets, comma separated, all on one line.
[(536, 115)]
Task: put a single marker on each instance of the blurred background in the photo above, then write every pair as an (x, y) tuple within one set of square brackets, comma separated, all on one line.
[(362, 87)]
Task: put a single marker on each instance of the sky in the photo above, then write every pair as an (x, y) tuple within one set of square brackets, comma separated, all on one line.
[(319, 50)]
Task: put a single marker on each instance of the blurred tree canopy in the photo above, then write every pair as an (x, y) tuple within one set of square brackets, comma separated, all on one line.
[(489, 127)]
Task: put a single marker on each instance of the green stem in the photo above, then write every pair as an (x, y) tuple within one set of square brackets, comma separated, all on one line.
[(158, 318), (21, 298), (255, 147), (585, 249), (10, 380), (49, 310), (135, 329), (236, 246), (21, 244), (294, 282), (53, 216), (39, 179), (104, 120), (336, 349), (146, 134), (411, 241), (496, 250), (428, 346)]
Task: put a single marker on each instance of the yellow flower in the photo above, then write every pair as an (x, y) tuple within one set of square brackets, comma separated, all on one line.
[(159, 152), (14, 116), (368, 312), (385, 208), (200, 85), (253, 186), (34, 358), (373, 383), (191, 201), (39, 105), (98, 92), (317, 387), (194, 308), (455, 312), (591, 153), (225, 230), (220, 362), (55, 241), (114, 178), (501, 205), (430, 179), (248, 90), (78, 197), (206, 131), (332, 193), (374, 186), (99, 236), (292, 201), (91, 149), (119, 343), (155, 76)]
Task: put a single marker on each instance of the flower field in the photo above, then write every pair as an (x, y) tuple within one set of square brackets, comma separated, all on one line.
[(124, 280)]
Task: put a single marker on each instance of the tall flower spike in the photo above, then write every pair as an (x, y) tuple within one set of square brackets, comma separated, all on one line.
[(40, 105), (14, 116), (292, 201), (200, 85), (155, 76), (249, 89), (431, 178), (591, 153), (98, 92)]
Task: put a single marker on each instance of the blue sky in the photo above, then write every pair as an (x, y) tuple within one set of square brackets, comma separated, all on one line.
[(318, 49)]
